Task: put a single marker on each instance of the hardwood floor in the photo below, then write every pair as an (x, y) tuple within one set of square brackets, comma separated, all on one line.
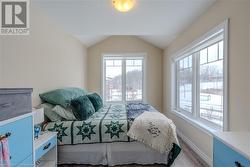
[(187, 158)]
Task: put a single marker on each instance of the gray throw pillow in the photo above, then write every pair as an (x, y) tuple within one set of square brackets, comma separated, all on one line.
[(49, 113), (67, 113)]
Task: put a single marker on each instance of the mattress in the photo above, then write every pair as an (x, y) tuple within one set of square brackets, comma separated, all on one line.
[(110, 154)]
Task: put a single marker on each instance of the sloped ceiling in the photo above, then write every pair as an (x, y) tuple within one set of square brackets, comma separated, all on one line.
[(156, 21)]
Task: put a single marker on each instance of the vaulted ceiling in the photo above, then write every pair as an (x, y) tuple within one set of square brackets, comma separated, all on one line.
[(156, 21)]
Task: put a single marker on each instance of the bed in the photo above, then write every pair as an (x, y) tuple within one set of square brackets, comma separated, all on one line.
[(103, 139)]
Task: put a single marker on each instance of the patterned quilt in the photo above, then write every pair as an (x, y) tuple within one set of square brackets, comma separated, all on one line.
[(109, 124)]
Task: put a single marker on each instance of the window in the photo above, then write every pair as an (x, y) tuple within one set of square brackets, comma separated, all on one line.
[(123, 78), (200, 80), (211, 83), (185, 78)]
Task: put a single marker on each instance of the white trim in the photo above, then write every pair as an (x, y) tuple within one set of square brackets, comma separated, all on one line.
[(238, 141), (209, 130), (124, 56), (102, 79), (195, 148), (124, 79), (200, 40), (144, 72), (192, 49), (43, 138), (196, 86), (225, 75)]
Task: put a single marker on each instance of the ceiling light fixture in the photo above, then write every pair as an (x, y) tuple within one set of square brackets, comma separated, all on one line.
[(123, 5)]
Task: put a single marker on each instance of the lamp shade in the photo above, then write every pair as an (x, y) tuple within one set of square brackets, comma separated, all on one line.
[(38, 116)]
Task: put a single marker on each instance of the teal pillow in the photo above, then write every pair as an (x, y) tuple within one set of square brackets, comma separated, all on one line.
[(83, 108), (96, 100), (62, 97)]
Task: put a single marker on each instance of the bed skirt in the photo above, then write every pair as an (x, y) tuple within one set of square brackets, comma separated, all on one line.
[(110, 154)]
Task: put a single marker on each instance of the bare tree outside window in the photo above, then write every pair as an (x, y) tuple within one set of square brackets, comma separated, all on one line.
[(113, 87), (185, 79), (211, 83), (123, 79)]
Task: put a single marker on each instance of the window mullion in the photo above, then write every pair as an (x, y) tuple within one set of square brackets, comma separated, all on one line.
[(194, 84), (198, 84), (104, 80), (124, 80), (177, 102), (175, 86), (143, 81)]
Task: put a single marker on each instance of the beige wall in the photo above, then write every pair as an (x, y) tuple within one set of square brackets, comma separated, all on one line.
[(128, 44), (239, 68), (46, 59)]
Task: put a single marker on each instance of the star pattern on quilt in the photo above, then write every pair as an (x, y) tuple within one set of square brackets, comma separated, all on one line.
[(116, 109), (116, 115), (114, 128), (60, 131), (86, 130)]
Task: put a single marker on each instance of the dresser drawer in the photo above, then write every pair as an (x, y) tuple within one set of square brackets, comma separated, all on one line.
[(21, 139), (44, 148), (224, 156), (14, 102)]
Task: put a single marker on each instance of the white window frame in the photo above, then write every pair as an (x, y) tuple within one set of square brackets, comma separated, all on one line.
[(193, 48), (124, 56)]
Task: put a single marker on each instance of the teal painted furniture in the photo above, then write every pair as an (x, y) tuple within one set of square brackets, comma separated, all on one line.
[(231, 149), (16, 124), (46, 149), (20, 139)]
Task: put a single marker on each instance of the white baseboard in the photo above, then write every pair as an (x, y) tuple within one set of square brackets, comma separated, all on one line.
[(189, 142)]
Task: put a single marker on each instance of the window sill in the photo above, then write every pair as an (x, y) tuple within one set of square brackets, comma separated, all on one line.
[(196, 123)]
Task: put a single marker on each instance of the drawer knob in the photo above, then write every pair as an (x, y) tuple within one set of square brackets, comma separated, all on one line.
[(238, 164), (47, 146), (8, 134)]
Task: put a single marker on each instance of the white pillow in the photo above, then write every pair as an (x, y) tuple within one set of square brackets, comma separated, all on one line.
[(64, 113), (49, 113)]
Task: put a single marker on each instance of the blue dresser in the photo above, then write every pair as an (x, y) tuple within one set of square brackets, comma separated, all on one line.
[(17, 126), (231, 149)]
